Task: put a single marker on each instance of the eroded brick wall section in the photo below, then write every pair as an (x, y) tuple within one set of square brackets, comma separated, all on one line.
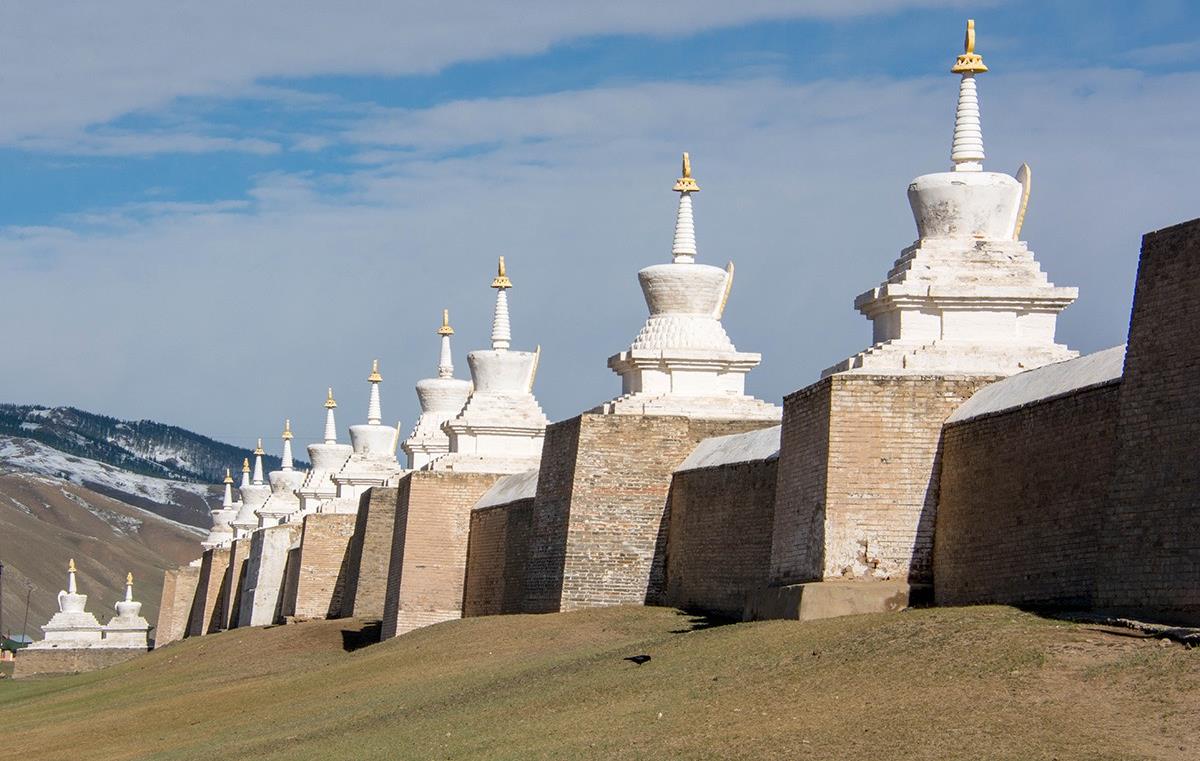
[(208, 606), (551, 510), (1021, 496), (497, 549), (323, 565), (429, 548), (1150, 552), (236, 581), (175, 609), (798, 532), (370, 554), (719, 540), (66, 661)]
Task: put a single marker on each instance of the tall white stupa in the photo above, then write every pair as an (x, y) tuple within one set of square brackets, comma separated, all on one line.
[(441, 399), (72, 626), (127, 628), (501, 427), (682, 361), (254, 492), (283, 501), (221, 533), (326, 458), (372, 461), (967, 297)]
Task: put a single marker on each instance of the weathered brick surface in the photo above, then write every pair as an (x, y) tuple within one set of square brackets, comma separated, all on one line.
[(209, 602), (175, 609), (600, 515), (497, 550), (239, 549), (1150, 551), (857, 487), (1022, 492), (429, 548), (370, 554), (719, 539), (265, 577), (69, 661), (322, 565)]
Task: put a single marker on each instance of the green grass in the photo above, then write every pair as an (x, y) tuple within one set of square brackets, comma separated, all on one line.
[(932, 684)]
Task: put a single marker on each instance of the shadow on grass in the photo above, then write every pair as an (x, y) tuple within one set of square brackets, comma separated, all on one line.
[(366, 635), (698, 620)]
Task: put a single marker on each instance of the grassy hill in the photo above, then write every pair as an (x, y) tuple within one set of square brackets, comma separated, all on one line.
[(967, 683)]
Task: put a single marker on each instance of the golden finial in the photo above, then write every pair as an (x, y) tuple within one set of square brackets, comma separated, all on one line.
[(686, 184), (445, 330), (245, 464), (329, 402), (129, 579), (258, 449), (287, 430), (228, 477), (71, 565), (375, 377), (501, 280), (969, 61)]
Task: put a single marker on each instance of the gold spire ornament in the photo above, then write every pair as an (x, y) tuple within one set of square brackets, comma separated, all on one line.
[(228, 477), (71, 565), (686, 184), (329, 402), (375, 377), (501, 280), (258, 449), (129, 579), (245, 464), (969, 61), (287, 430), (445, 330)]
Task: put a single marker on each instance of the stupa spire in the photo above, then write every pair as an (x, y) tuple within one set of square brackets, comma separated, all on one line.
[(71, 588), (501, 328), (967, 152), (129, 587), (374, 409), (258, 464), (286, 461), (445, 361), (330, 423), (683, 248), (228, 500), (245, 472)]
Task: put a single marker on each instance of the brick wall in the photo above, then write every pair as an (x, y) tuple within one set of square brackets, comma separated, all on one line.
[(857, 488), (69, 661), (1150, 545), (238, 550), (497, 549), (323, 565), (1021, 496), (719, 539), (266, 566), (175, 609), (600, 515), (429, 548), (208, 604), (370, 553)]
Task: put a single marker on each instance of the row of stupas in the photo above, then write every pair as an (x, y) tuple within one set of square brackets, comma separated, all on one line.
[(74, 628)]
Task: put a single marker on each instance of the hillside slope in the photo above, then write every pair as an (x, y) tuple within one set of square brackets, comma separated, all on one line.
[(45, 520), (931, 684)]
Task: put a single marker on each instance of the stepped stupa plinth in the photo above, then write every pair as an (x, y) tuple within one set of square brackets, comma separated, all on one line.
[(282, 502), (441, 399), (501, 426), (372, 460), (221, 533), (682, 361), (72, 626), (326, 458), (967, 297), (254, 491)]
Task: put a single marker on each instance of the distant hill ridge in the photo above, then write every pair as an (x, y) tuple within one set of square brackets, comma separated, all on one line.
[(144, 447)]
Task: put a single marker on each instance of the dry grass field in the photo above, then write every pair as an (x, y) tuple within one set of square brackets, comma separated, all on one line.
[(968, 683)]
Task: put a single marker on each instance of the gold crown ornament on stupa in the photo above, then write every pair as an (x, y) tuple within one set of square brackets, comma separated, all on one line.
[(969, 61)]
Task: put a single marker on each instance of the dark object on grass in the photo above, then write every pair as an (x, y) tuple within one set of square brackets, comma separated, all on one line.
[(639, 659)]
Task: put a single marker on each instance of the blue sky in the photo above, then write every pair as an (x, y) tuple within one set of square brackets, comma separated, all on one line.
[(210, 214)]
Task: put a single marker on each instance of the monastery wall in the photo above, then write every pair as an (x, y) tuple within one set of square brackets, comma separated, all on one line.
[(239, 549), (30, 662), (1022, 493), (322, 564), (175, 606), (599, 519), (498, 547), (207, 605), (266, 565), (428, 555), (369, 554), (1150, 532)]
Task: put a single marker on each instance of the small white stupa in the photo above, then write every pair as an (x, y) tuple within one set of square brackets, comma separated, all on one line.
[(283, 501), (128, 629), (967, 297), (254, 492), (222, 517), (373, 459), (501, 427), (326, 458), (441, 399), (682, 362), (71, 626)]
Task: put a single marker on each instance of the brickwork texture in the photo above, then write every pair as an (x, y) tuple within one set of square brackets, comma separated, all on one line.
[(69, 661), (497, 550), (369, 554), (175, 609), (208, 604), (323, 565)]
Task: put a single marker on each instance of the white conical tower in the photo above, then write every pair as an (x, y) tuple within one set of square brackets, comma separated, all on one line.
[(245, 473), (501, 327), (330, 421), (72, 626), (967, 297), (222, 530), (374, 408), (327, 458), (373, 461), (441, 398), (258, 464), (683, 247), (286, 462), (254, 492), (283, 501)]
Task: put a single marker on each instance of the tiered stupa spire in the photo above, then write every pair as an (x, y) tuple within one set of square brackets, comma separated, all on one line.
[(283, 501), (330, 422), (374, 408), (326, 458), (967, 152), (286, 462), (373, 460), (445, 359), (258, 464), (245, 473), (441, 399), (683, 247), (222, 517), (501, 327)]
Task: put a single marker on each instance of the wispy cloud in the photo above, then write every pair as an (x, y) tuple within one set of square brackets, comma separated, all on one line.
[(1165, 54)]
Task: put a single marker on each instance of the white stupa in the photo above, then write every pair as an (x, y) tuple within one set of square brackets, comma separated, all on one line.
[(254, 492), (682, 362), (221, 533), (128, 628), (441, 399), (72, 626), (967, 297), (283, 501), (501, 427), (372, 461), (326, 458)]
